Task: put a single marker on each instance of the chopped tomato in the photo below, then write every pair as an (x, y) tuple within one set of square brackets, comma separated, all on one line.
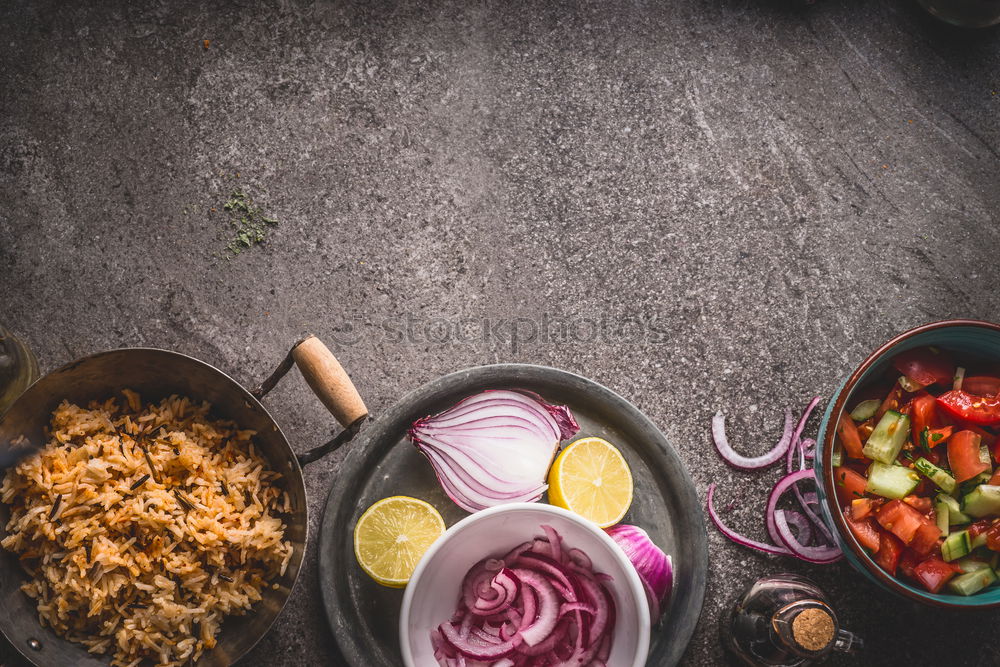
[(922, 505), (981, 385), (847, 432), (979, 527), (925, 365), (976, 409), (926, 538), (995, 479), (850, 484), (890, 548), (908, 562), (938, 436), (891, 402), (963, 456), (934, 573), (866, 427), (865, 532), (901, 519), (922, 415), (993, 537), (862, 507)]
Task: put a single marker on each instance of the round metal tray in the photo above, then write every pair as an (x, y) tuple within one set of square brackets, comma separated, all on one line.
[(364, 616)]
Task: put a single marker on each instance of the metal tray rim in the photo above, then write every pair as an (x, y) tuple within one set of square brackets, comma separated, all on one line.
[(474, 378)]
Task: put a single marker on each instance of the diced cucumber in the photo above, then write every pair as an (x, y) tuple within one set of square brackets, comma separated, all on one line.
[(973, 582), (971, 564), (837, 456), (959, 378), (891, 481), (968, 485), (941, 513), (956, 545), (955, 514), (945, 481), (888, 437), (982, 501), (909, 385), (865, 410)]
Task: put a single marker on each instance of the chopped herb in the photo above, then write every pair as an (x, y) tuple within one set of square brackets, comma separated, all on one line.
[(140, 482), (937, 436), (55, 507), (923, 437), (152, 468), (249, 222), (859, 495)]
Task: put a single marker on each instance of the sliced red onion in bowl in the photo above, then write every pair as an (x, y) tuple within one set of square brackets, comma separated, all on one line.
[(494, 447), (561, 612), (730, 456)]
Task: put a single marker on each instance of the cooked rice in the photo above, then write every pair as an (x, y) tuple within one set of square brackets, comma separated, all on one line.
[(139, 562)]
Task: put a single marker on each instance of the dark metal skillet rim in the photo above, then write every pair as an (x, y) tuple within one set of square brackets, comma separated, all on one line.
[(247, 396), (361, 457)]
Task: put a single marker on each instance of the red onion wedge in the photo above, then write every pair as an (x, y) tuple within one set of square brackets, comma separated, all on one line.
[(730, 456), (655, 568), (494, 447), (560, 612)]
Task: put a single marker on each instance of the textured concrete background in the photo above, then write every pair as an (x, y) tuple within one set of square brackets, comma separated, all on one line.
[(729, 202)]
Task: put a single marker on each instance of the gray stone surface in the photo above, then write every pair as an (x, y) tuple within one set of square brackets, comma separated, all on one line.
[(728, 203)]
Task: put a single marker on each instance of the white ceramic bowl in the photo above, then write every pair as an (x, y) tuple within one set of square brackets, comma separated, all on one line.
[(433, 592)]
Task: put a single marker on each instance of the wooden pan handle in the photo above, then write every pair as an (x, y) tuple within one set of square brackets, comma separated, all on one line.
[(329, 381)]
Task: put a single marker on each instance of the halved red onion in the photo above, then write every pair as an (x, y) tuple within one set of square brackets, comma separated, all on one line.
[(730, 456), (561, 612), (494, 447)]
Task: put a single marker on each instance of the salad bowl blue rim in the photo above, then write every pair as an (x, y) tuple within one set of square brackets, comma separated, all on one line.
[(962, 333)]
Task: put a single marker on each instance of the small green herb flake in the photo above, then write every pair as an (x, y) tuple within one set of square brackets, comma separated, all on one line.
[(248, 221), (936, 437)]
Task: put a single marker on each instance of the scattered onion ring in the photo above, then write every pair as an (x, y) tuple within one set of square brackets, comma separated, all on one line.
[(730, 456), (780, 523)]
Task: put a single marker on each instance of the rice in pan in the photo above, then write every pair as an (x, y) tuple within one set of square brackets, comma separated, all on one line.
[(143, 526)]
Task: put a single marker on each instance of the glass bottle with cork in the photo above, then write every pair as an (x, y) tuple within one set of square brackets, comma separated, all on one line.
[(785, 620)]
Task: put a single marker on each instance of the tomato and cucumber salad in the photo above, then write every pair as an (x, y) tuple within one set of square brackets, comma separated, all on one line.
[(915, 469)]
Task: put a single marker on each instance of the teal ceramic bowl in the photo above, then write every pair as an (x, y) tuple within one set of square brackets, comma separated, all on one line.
[(969, 337)]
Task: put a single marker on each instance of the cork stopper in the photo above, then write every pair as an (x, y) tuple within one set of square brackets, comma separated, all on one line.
[(813, 629)]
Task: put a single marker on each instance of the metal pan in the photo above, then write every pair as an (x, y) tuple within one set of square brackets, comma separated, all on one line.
[(364, 616), (156, 374)]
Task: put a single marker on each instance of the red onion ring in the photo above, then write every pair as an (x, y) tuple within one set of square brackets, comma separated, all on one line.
[(730, 456), (736, 537), (820, 555)]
